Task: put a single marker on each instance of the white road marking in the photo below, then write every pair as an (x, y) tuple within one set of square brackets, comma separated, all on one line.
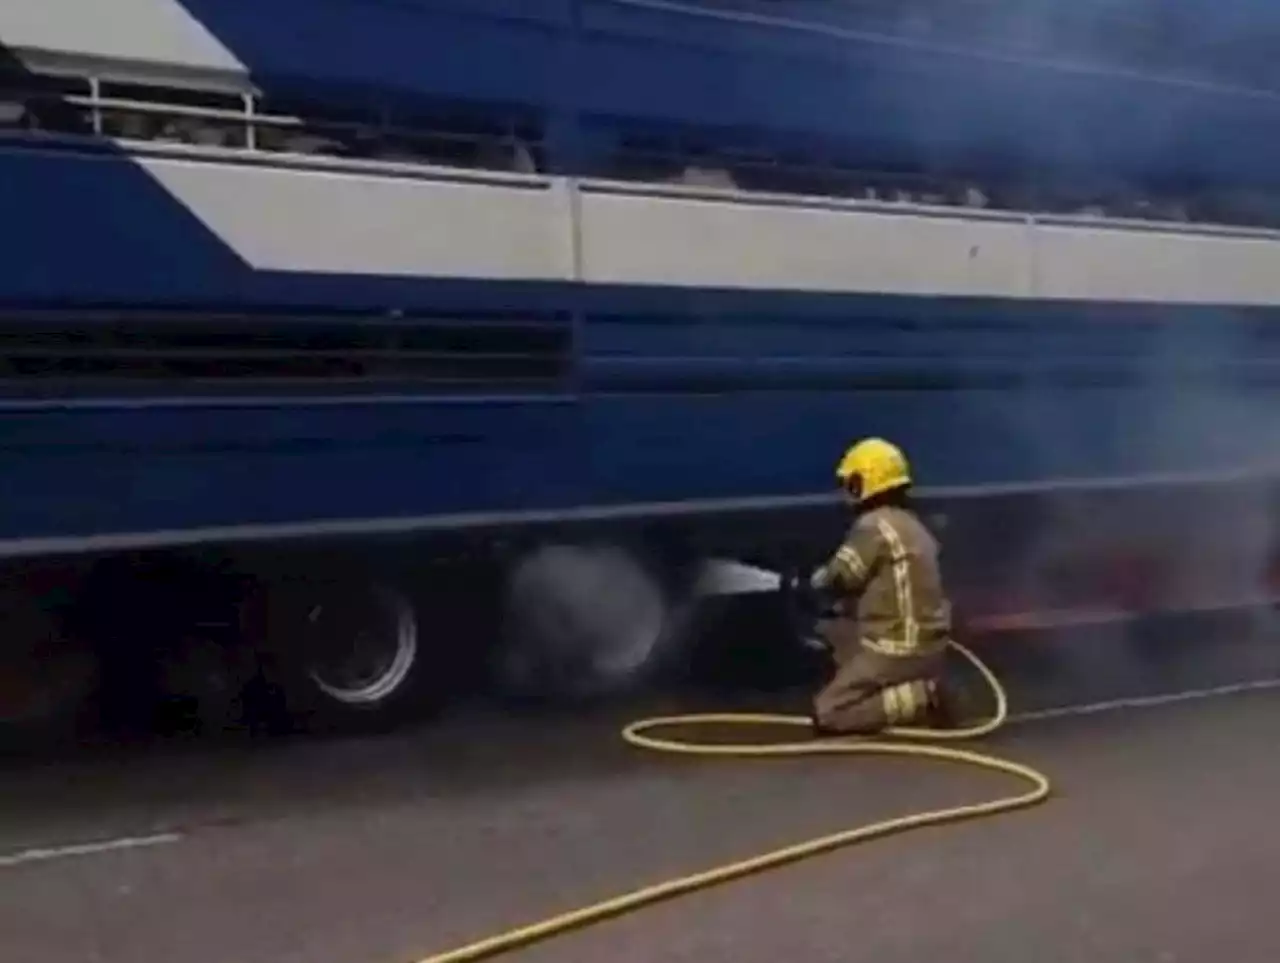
[(49, 853), (1147, 702)]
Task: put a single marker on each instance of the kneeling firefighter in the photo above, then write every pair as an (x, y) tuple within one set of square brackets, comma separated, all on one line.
[(892, 618)]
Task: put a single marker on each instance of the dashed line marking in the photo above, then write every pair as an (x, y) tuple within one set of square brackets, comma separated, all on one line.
[(46, 854), (102, 847), (1147, 702)]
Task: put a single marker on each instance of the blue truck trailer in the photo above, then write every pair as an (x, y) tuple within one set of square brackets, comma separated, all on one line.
[(374, 311)]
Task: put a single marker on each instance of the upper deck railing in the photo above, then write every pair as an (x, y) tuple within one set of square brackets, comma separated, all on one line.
[(69, 108)]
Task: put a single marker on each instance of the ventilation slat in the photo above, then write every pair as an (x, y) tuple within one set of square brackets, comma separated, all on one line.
[(95, 352)]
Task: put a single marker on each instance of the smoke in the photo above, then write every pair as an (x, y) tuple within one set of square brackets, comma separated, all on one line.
[(1084, 89), (1195, 404), (1189, 399), (582, 621), (1222, 421), (1187, 404), (1174, 89)]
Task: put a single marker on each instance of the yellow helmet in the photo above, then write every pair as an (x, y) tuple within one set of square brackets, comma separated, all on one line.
[(872, 467)]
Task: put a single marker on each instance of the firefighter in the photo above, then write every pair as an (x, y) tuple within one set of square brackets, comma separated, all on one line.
[(892, 618)]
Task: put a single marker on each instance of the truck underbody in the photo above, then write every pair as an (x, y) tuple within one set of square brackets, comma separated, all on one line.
[(342, 633)]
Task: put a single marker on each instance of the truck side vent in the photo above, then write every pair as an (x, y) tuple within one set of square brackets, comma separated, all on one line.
[(105, 353)]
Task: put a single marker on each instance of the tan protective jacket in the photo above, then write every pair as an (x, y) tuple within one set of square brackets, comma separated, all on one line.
[(888, 570)]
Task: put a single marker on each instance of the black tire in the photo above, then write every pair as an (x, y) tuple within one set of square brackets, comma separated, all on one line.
[(51, 680), (581, 622), (348, 656), (761, 642)]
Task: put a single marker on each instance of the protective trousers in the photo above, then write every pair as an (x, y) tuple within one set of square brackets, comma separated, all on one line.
[(869, 691)]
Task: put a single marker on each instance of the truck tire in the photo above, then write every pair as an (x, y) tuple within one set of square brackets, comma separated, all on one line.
[(582, 622), (348, 656), (48, 680)]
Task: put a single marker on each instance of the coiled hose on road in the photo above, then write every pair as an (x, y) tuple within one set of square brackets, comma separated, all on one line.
[(915, 742)]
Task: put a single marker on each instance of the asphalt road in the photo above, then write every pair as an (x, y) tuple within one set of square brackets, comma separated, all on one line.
[(1158, 848)]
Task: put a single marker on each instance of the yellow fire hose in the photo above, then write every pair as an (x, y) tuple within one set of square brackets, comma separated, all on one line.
[(916, 742)]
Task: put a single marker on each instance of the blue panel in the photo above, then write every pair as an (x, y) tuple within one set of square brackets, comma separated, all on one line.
[(84, 471), (921, 100), (885, 327), (489, 51), (102, 230), (87, 472), (130, 470), (925, 109), (786, 443), (629, 62), (99, 228)]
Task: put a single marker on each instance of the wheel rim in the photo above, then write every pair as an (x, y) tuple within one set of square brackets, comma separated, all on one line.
[(367, 659)]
